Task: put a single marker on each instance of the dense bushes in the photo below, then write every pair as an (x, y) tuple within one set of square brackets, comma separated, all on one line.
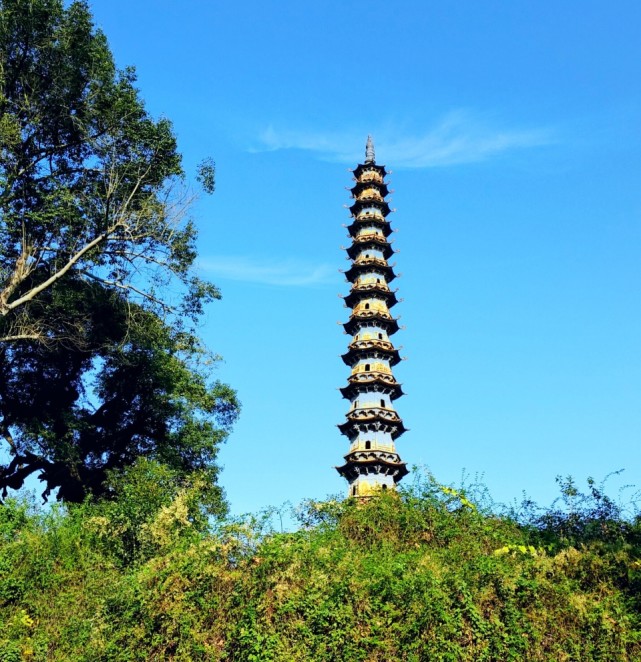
[(423, 575)]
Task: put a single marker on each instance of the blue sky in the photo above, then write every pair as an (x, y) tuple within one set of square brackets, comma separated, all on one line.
[(513, 134)]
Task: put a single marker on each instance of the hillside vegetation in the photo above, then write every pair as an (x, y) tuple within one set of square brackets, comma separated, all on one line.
[(424, 575)]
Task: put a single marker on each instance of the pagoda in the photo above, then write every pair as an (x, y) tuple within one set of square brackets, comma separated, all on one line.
[(372, 424)]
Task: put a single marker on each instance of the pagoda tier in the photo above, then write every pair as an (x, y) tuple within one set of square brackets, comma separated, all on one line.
[(365, 191), (379, 290), (372, 424), (369, 218), (365, 202), (365, 264), (376, 383), (366, 172), (373, 241)]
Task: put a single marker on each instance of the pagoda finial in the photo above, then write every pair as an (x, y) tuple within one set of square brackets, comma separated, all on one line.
[(369, 151)]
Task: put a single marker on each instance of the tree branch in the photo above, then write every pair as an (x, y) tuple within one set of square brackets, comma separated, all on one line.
[(5, 307)]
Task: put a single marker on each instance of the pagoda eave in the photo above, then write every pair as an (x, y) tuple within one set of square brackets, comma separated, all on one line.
[(380, 221), (373, 385), (394, 428), (353, 468), (362, 186), (363, 292), (356, 322), (351, 357), (359, 268), (364, 167)]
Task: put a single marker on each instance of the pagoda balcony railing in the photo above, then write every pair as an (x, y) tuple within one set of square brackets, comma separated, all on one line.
[(370, 405), (370, 261), (371, 343), (373, 446), (378, 237), (371, 176), (365, 313), (370, 216), (363, 285), (372, 375), (366, 413), (371, 367), (370, 196), (369, 455)]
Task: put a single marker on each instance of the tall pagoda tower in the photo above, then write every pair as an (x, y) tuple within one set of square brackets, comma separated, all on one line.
[(372, 424)]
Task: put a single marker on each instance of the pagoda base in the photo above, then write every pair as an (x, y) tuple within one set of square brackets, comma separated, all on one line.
[(368, 486), (369, 472)]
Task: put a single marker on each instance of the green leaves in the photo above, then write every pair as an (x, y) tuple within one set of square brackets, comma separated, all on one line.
[(143, 576), (99, 361), (91, 181), (207, 175)]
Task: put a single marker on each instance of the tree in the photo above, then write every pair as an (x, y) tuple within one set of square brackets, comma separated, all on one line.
[(85, 174), (99, 359)]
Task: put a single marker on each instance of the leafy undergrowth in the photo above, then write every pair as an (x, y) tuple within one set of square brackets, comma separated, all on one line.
[(423, 575)]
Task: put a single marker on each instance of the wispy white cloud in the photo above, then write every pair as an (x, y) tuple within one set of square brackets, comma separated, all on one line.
[(289, 273), (459, 137)]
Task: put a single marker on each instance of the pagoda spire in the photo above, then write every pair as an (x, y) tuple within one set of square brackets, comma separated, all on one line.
[(370, 157), (372, 423)]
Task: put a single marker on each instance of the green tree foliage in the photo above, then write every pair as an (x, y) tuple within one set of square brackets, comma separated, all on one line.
[(99, 363), (577, 518), (425, 575), (84, 174)]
